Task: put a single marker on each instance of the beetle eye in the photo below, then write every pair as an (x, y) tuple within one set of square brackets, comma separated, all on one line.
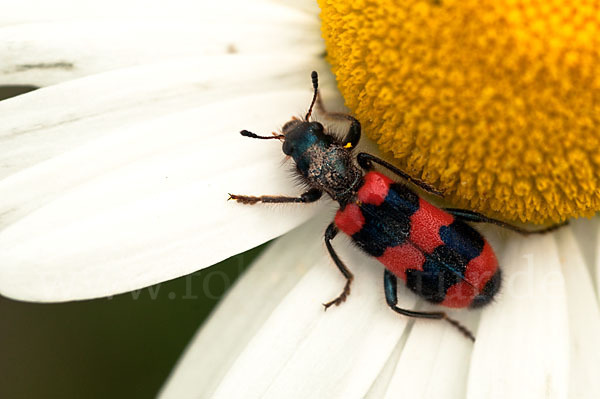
[(287, 148), (317, 126)]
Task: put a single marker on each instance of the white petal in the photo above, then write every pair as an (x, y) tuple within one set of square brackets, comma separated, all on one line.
[(586, 236), (522, 347), (435, 360), (382, 382), (48, 122), (70, 41), (590, 245), (244, 310), (136, 204), (40, 10), (584, 319), (303, 352)]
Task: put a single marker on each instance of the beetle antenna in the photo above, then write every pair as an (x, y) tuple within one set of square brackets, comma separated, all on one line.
[(315, 82), (246, 133)]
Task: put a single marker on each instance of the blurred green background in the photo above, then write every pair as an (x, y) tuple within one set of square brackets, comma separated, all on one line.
[(119, 347)]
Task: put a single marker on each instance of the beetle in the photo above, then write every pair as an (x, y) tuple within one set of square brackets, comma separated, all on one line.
[(439, 256)]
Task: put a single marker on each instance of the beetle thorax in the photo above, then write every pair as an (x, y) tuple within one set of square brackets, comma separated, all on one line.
[(322, 161), (333, 170)]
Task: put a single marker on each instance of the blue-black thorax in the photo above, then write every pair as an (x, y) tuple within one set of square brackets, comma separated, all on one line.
[(322, 160)]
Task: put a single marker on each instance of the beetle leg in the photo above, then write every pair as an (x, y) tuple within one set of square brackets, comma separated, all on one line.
[(330, 233), (390, 285), (476, 217), (310, 196), (365, 160), (353, 136)]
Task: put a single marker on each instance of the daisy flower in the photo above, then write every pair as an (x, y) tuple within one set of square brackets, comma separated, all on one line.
[(114, 176)]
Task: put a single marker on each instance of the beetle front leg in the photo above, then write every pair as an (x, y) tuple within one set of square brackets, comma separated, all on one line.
[(330, 233), (354, 131), (390, 285), (311, 195)]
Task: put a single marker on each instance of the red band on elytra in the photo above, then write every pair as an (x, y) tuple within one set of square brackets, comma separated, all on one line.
[(425, 225), (375, 188), (402, 257), (350, 219)]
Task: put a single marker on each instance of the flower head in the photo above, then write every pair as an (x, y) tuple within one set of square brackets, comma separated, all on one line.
[(495, 102)]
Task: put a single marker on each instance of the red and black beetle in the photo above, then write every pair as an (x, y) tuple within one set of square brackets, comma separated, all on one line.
[(439, 256)]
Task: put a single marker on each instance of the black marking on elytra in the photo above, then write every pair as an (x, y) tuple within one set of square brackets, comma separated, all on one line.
[(442, 269), (463, 239), (401, 199), (488, 292), (387, 225), (381, 230)]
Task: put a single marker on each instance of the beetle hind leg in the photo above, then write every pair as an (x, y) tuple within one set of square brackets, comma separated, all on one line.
[(475, 217), (390, 284)]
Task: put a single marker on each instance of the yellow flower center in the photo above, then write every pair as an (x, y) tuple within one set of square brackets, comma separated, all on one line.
[(496, 102)]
